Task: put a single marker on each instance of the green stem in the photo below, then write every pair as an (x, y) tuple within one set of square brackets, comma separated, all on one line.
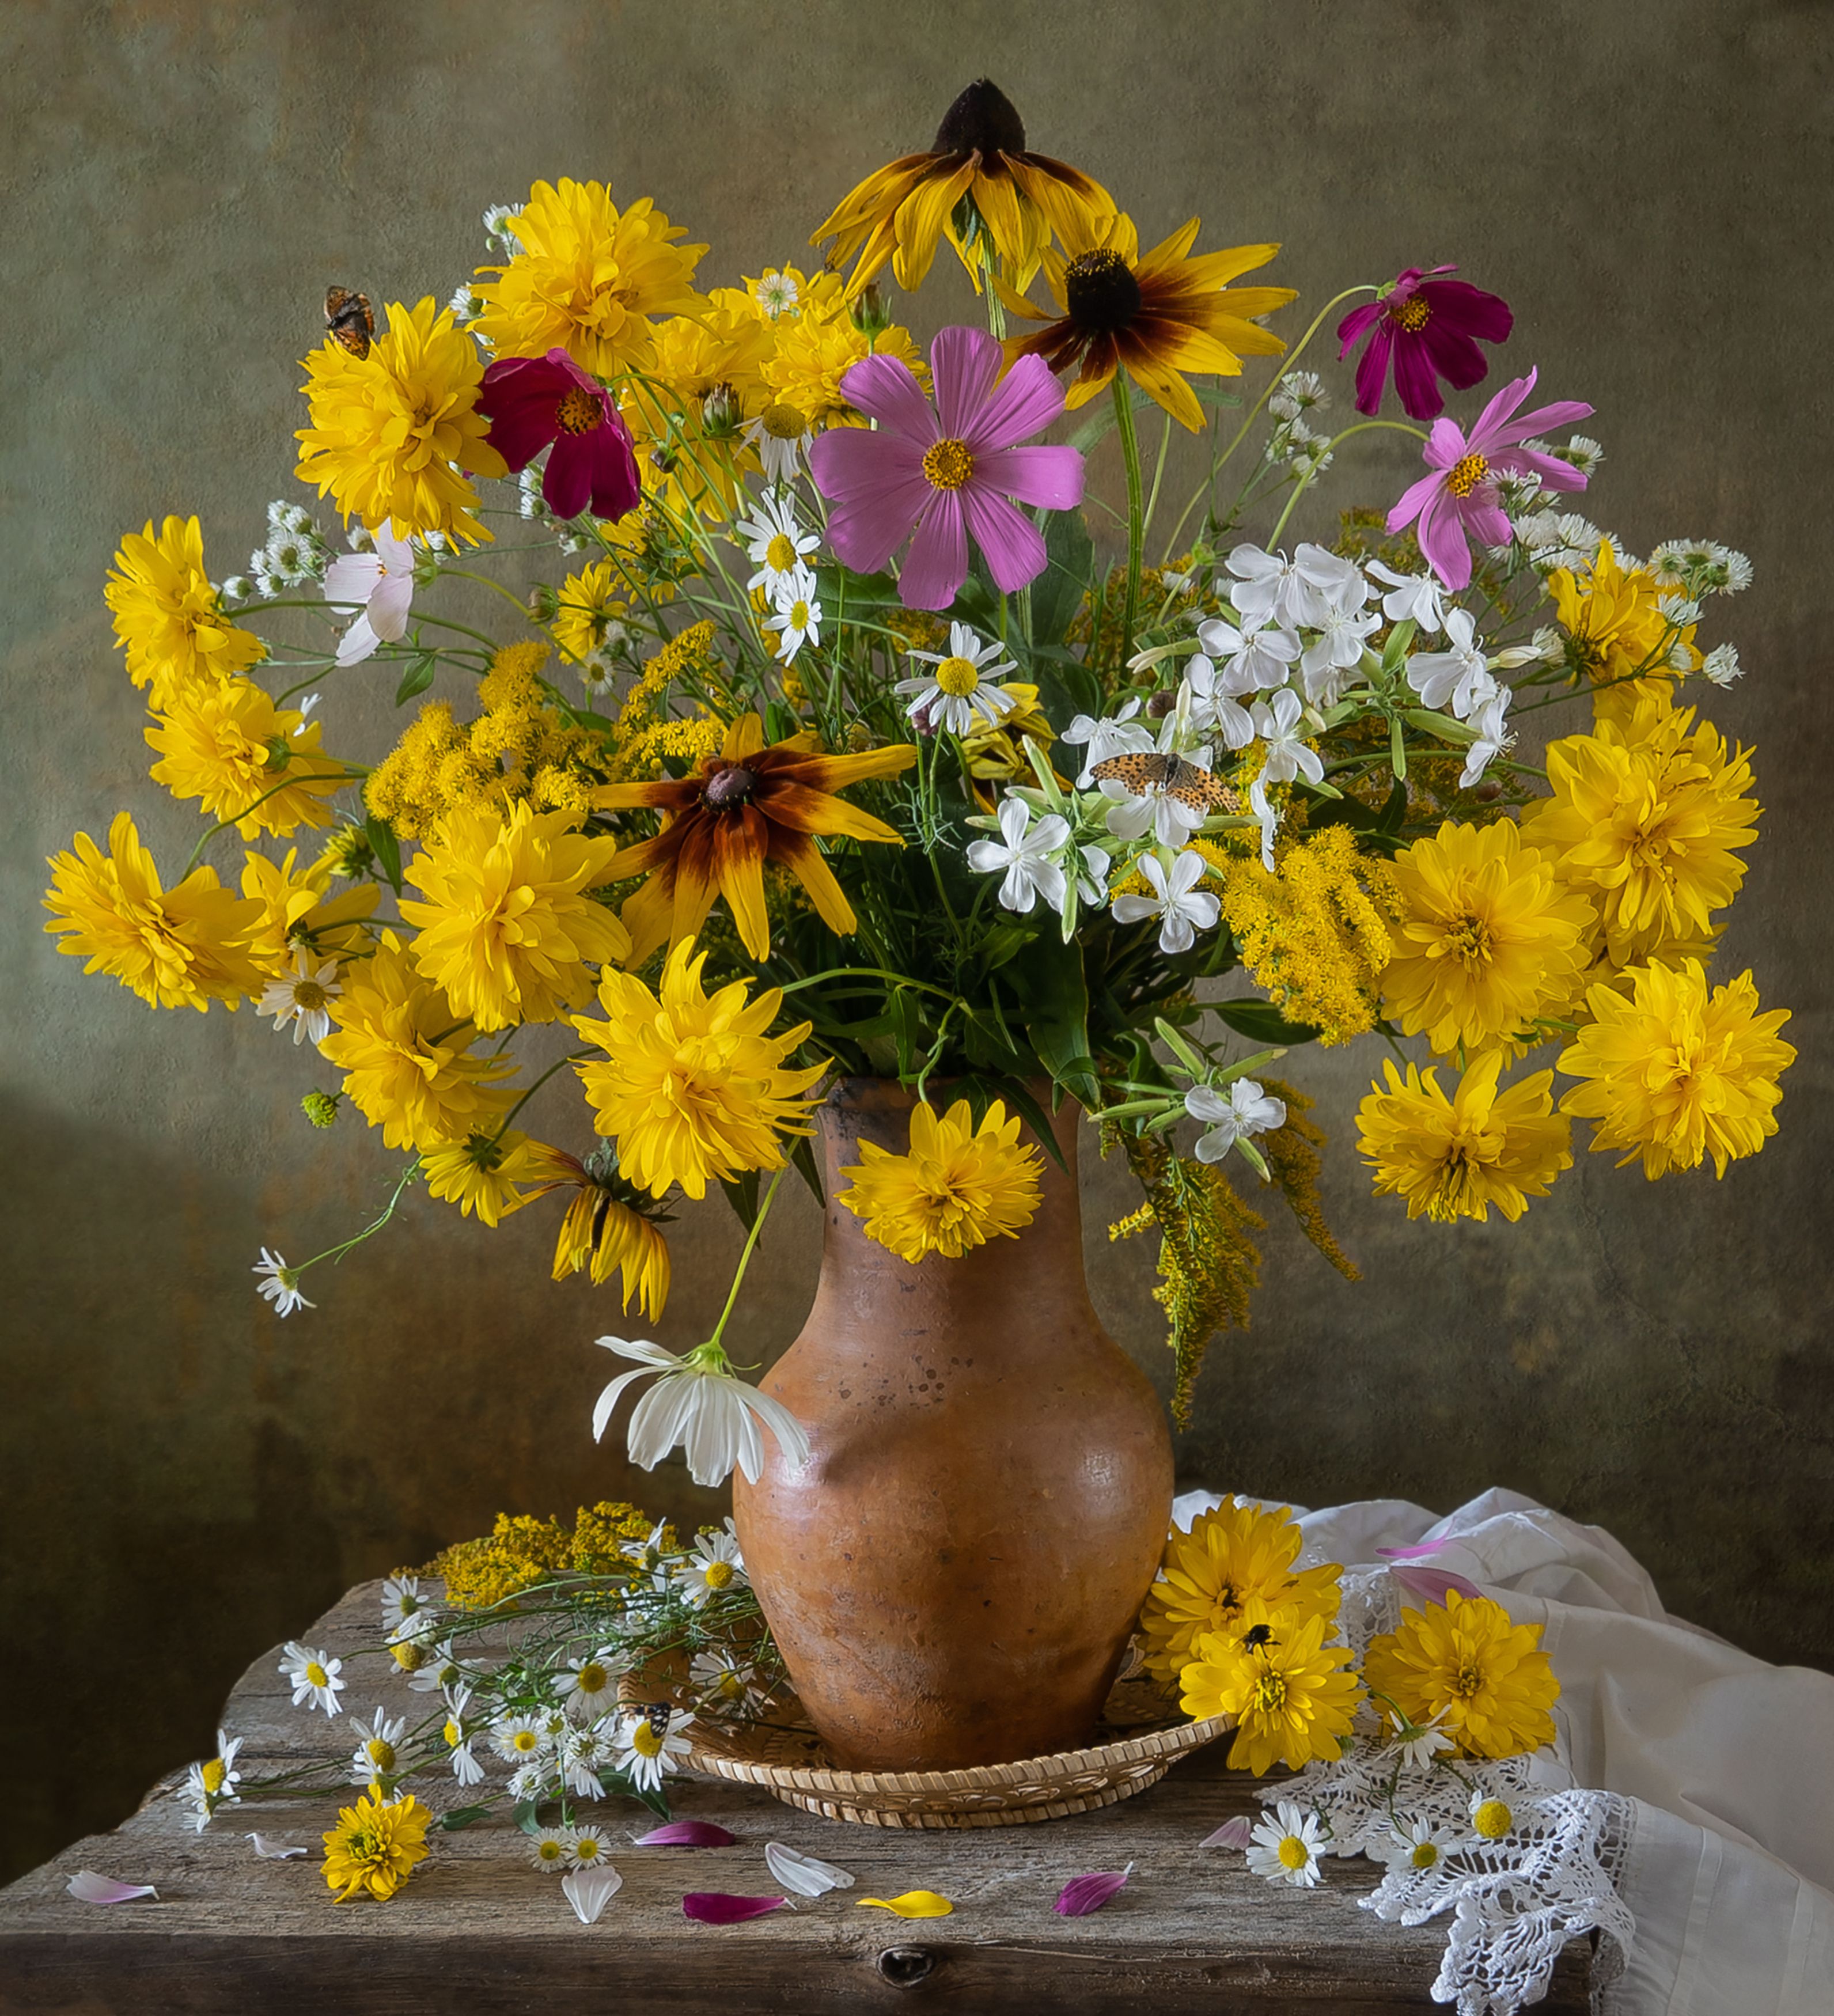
[(1305, 482), (349, 774), (572, 1057), (745, 1257), (1136, 507), (871, 973), (344, 1246)]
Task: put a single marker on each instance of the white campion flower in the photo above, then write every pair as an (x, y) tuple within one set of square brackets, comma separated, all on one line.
[(713, 1415), (1254, 657), (1492, 738), (1417, 599), (1268, 588), (1284, 1847), (380, 584), (1182, 908), (1460, 676), (798, 617), (959, 692), (280, 1284), (304, 998), (1023, 856), (1242, 1110), (1112, 734), (1276, 725), (775, 544), (1213, 708)]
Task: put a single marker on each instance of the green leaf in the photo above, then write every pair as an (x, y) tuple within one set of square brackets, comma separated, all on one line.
[(1066, 686), (861, 592), (741, 1193), (386, 848), (803, 1157), (1047, 975), (1058, 593), (527, 1816), (622, 1781), (1261, 1022), (416, 678), (977, 604), (779, 721), (462, 1817)]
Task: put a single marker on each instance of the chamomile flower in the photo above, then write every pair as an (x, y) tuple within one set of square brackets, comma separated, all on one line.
[(536, 1780), (1419, 1846), (520, 1739), (584, 1754), (1583, 453), (798, 617), (547, 1848), (212, 1784), (589, 1687), (405, 1612), (586, 1846), (313, 1675), (1721, 665), (715, 1563), (459, 1737), (497, 220), (776, 293), (649, 1744), (1298, 392), (1492, 1819), (302, 997), (776, 545), (959, 695), (280, 1285), (1418, 1743), (1284, 1847), (723, 1682), (376, 1754), (440, 1671), (779, 437)]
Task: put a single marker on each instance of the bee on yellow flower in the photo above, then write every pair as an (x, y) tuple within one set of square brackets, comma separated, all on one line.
[(1289, 1692)]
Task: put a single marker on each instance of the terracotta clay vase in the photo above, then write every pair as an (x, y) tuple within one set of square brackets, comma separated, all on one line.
[(952, 1577)]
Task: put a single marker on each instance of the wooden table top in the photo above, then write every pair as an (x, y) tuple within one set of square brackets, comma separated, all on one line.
[(477, 1930)]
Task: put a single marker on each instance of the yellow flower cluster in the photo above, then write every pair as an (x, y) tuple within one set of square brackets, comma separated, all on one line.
[(167, 618), (521, 1551), (960, 1186), (1318, 933), (643, 736), (1464, 1659)]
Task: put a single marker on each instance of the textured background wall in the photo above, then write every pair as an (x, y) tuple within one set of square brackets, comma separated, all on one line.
[(186, 1479)]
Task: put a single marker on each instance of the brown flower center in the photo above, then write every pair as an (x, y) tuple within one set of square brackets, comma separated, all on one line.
[(578, 411), (983, 120), (948, 464), (733, 785), (1466, 474), (1100, 291), (1413, 312)]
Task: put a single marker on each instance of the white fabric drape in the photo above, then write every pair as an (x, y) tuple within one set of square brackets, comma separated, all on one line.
[(1728, 1763)]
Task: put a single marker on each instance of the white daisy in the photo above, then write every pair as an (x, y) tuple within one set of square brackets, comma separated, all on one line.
[(303, 997), (649, 1744), (776, 545), (959, 692), (1023, 856), (589, 1687), (313, 1676), (440, 1671), (1284, 1848), (1721, 665), (1418, 1743), (586, 1847), (520, 1739), (1420, 1845), (537, 1780), (715, 1563), (722, 1681), (281, 1287), (776, 293), (466, 1768), (713, 1415), (547, 1848), (405, 1612), (584, 1754), (779, 437), (1182, 908), (798, 617), (376, 1755), (213, 1782), (1232, 1116), (380, 584)]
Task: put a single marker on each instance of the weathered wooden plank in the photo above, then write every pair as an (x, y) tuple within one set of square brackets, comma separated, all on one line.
[(479, 1929)]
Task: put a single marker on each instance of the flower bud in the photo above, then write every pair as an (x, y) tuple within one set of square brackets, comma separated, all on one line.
[(544, 603), (320, 1107), (870, 315)]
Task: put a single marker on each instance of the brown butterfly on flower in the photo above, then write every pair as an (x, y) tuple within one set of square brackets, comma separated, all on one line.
[(1142, 771), (348, 320)]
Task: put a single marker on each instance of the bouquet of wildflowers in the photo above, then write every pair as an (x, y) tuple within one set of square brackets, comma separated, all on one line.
[(827, 722)]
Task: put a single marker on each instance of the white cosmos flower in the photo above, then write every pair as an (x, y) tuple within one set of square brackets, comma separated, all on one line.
[(1427, 1741), (313, 1675), (958, 693), (798, 617), (715, 1563), (281, 1286), (776, 545), (649, 1744), (702, 1405), (1182, 908), (1460, 674), (375, 1756), (303, 997), (803, 1875), (1418, 1846), (1284, 1848), (1113, 735), (588, 1687), (1414, 598), (381, 584), (1023, 856), (1256, 657), (1232, 1116)]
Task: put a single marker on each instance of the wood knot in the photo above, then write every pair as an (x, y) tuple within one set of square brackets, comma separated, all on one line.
[(904, 1967)]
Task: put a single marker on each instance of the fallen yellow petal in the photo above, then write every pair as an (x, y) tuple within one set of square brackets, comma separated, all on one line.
[(913, 1904)]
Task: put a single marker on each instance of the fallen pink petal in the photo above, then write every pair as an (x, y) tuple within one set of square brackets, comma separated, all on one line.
[(1418, 1551), (686, 1833), (719, 1907), (271, 1850), (1430, 1584), (88, 1888), (1237, 1832), (1084, 1893)]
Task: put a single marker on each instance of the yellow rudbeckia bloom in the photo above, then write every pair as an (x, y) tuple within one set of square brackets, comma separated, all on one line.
[(1465, 1660), (960, 1186), (1290, 1696), (167, 616), (374, 1846), (1455, 1158)]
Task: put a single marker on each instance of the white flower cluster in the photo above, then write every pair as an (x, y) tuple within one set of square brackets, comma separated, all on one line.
[(296, 553)]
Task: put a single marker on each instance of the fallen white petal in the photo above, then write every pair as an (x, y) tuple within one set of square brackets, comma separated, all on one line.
[(88, 1888), (270, 1850), (803, 1874), (590, 1889)]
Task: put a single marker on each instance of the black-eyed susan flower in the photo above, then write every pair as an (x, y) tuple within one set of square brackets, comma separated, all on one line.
[(1018, 199), (1157, 316), (610, 1228), (1464, 1662)]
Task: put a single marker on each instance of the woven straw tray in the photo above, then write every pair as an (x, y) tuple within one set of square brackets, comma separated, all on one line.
[(1141, 1735)]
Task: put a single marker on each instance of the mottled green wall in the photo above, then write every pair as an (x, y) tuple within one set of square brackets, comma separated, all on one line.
[(187, 1479)]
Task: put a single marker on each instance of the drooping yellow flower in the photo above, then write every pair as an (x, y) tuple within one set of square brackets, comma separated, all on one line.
[(245, 759), (406, 1055), (299, 913), (1455, 1158), (397, 435), (182, 948), (1615, 619), (1464, 1659), (588, 280), (1290, 1696), (1644, 818), (606, 1231), (481, 1173), (589, 603), (693, 1089), (1488, 939), (1231, 1557), (815, 352), (375, 1845), (508, 924), (167, 616), (978, 158), (1157, 317), (1673, 1074), (959, 1186)]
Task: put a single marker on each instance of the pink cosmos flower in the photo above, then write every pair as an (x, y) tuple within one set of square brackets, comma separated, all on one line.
[(1459, 496), (532, 400), (1427, 325), (944, 471)]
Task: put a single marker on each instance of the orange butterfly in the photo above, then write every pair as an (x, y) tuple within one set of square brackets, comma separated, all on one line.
[(348, 321), (1190, 783)]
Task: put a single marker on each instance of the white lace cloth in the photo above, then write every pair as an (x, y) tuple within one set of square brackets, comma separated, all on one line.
[(1687, 1812)]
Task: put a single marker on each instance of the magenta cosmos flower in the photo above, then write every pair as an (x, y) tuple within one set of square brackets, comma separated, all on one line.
[(1428, 327), (943, 471), (1458, 496), (532, 400)]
